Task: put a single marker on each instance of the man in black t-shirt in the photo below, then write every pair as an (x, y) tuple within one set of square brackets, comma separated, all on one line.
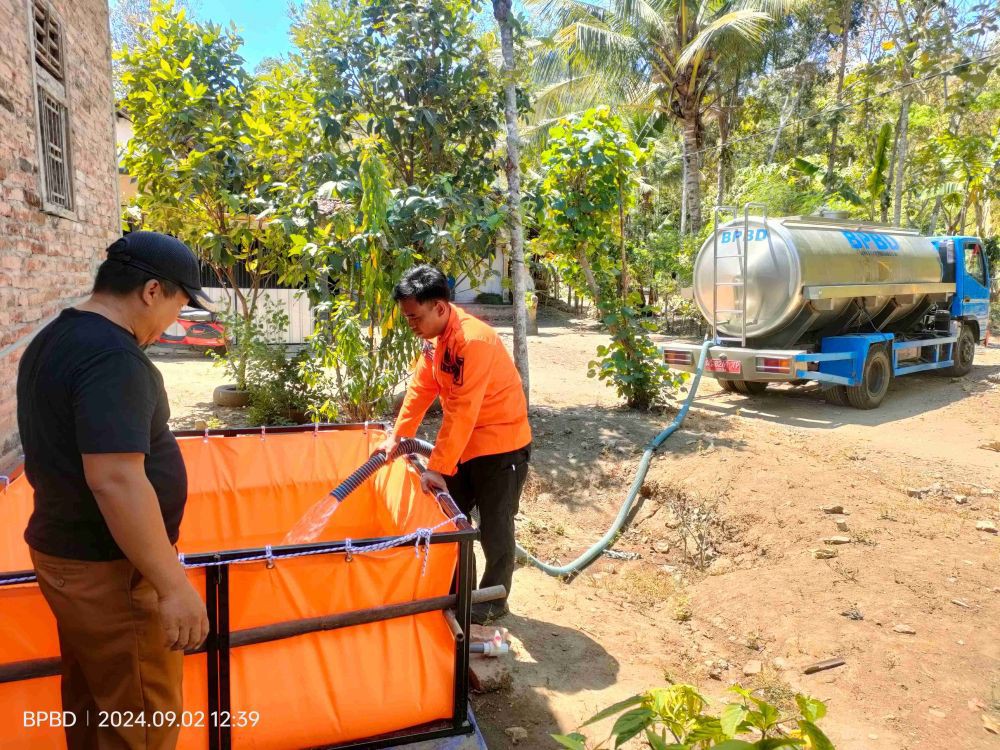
[(109, 490)]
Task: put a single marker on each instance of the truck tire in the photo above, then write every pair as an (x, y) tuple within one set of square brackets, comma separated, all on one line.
[(874, 380), (837, 395), (749, 387), (727, 385), (963, 353)]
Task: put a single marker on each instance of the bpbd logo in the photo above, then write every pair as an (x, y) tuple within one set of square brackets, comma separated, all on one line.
[(754, 235), (869, 243)]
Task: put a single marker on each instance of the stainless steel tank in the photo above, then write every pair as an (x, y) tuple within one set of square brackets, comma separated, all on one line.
[(807, 274)]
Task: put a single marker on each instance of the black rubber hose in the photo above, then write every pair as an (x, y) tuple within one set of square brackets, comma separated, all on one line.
[(375, 462)]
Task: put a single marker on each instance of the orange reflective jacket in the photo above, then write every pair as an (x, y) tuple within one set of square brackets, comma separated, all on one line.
[(484, 407)]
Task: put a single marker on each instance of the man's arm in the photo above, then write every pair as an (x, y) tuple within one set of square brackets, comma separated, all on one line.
[(420, 394), (130, 507)]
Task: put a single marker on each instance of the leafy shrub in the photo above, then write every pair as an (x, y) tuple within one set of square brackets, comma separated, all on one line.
[(631, 362), (674, 718)]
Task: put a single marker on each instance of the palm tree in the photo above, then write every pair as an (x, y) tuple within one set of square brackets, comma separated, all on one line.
[(665, 55)]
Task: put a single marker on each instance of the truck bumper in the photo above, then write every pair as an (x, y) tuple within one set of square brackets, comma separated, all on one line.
[(735, 363)]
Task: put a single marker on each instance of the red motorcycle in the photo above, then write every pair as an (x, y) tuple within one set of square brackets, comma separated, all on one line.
[(200, 329)]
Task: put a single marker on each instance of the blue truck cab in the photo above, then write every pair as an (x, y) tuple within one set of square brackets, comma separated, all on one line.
[(965, 263)]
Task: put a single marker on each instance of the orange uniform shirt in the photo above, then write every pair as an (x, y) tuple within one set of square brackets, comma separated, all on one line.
[(481, 395)]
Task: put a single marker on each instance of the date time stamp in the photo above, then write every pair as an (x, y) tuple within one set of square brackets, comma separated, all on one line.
[(154, 719)]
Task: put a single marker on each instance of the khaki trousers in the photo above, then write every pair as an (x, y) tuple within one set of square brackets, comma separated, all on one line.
[(113, 654)]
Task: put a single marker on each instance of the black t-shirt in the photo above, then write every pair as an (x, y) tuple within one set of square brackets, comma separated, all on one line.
[(85, 386)]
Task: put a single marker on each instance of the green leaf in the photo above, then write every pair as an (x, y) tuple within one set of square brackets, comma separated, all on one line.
[(630, 724), (811, 709), (732, 717), (806, 167), (734, 745), (880, 163), (575, 741), (656, 742), (817, 739), (616, 708)]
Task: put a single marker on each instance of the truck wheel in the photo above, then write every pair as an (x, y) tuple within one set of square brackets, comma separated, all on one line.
[(749, 387), (963, 353), (727, 385), (874, 381), (837, 395)]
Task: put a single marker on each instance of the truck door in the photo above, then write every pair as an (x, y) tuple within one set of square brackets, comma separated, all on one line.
[(972, 284)]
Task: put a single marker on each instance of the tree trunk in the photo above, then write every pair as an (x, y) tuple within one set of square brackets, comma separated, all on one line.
[(692, 173), (623, 278), (684, 188), (588, 274), (782, 121), (935, 212), (904, 124), (831, 160), (725, 112), (501, 11)]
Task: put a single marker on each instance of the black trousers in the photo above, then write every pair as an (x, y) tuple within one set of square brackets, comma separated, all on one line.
[(493, 484)]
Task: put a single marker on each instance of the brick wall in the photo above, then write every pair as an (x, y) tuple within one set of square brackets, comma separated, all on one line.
[(48, 262)]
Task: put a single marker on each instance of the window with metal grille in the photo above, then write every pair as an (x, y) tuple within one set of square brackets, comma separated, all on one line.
[(48, 39), (54, 130)]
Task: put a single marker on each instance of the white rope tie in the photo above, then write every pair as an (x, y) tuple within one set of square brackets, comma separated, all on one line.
[(269, 555), (24, 579), (423, 541), (421, 538)]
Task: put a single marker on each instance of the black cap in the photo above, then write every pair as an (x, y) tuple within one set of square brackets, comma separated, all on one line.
[(167, 258)]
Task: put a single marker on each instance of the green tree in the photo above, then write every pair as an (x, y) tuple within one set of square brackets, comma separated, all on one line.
[(399, 167), (413, 74), (195, 152), (665, 54), (129, 21), (590, 167)]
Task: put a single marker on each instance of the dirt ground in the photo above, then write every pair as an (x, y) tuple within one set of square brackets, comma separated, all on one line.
[(742, 487)]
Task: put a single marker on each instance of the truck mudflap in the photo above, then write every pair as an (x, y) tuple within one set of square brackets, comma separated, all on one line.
[(736, 363)]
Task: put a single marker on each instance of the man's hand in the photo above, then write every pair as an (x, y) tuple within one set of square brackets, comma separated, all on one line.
[(389, 444), (433, 482), (184, 618), (129, 505)]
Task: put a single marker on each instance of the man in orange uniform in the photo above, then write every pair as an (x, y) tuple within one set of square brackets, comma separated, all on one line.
[(484, 444)]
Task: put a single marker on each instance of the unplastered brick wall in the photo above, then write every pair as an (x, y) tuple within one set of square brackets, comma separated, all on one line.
[(47, 262)]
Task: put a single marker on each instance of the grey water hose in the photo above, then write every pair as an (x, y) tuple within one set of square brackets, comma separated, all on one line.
[(574, 568)]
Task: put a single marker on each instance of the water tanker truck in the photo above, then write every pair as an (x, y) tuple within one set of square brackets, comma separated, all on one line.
[(847, 304)]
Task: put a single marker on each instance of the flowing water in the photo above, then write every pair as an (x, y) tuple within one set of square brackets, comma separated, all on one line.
[(310, 527)]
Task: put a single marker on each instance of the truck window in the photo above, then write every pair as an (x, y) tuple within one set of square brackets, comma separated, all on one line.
[(974, 263)]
